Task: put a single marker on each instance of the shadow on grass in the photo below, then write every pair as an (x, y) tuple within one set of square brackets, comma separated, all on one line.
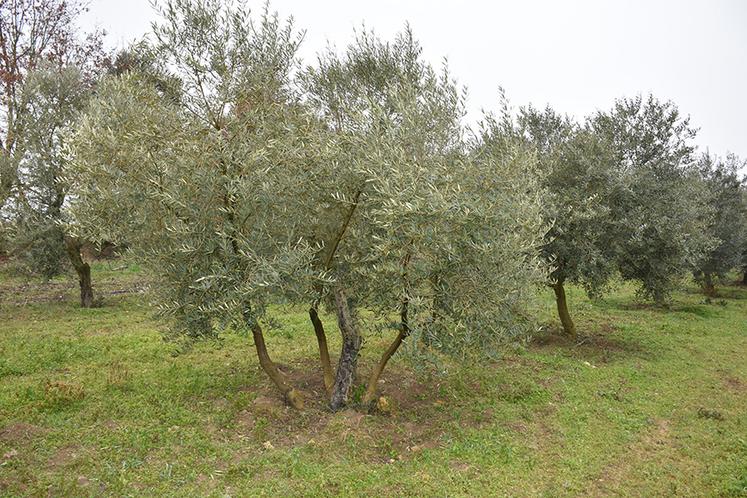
[(732, 290), (600, 342), (707, 308), (704, 307), (700, 310)]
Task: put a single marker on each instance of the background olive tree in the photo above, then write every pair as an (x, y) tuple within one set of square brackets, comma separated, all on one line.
[(46, 71), (728, 226), (54, 98), (664, 202), (582, 183)]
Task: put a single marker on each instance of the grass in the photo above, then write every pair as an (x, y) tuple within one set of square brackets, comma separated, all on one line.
[(92, 402)]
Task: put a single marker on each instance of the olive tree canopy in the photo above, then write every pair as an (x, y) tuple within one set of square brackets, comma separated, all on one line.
[(665, 205), (330, 186)]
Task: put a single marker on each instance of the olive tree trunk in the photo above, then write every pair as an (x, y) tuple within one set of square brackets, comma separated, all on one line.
[(709, 289), (321, 338), (329, 376), (565, 318), (351, 345), (83, 269), (291, 395)]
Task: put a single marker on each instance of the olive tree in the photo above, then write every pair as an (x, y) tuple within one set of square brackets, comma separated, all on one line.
[(578, 173), (196, 185), (251, 187), (665, 207), (32, 33), (421, 229), (729, 223), (53, 99), (46, 70)]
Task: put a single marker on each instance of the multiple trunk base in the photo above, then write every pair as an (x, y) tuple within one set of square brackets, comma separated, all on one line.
[(291, 395), (321, 337), (338, 385), (351, 345)]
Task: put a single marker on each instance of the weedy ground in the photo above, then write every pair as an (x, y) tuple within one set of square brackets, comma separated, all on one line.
[(648, 402)]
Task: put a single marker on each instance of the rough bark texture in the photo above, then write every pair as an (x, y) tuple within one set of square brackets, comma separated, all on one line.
[(83, 270), (565, 318), (321, 338), (709, 289), (351, 345), (373, 381), (292, 396)]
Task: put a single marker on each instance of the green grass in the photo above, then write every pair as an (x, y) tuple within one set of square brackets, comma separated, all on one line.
[(92, 402)]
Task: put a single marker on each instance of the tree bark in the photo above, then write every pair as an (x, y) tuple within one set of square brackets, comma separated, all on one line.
[(565, 318), (709, 289), (373, 381), (292, 396), (351, 345), (744, 278), (83, 269), (321, 338)]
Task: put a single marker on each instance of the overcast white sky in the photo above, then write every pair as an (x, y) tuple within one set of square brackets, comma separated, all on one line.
[(576, 55)]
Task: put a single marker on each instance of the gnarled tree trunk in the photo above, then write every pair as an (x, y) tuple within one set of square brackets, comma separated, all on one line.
[(709, 289), (565, 318), (321, 338), (351, 345), (292, 396), (83, 269)]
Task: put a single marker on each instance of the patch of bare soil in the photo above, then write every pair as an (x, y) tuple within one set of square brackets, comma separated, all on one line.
[(417, 420), (66, 456), (735, 384), (20, 433), (5, 485)]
